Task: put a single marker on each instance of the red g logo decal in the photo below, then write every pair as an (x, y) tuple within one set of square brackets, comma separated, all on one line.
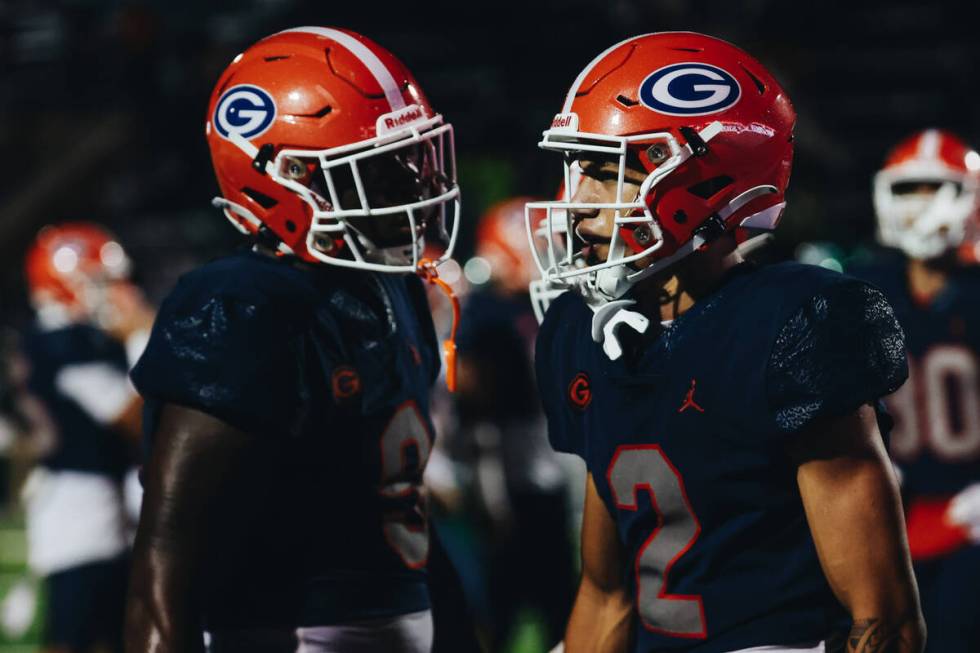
[(580, 391), (346, 382)]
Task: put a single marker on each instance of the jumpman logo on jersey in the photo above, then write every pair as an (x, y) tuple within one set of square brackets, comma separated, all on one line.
[(689, 400)]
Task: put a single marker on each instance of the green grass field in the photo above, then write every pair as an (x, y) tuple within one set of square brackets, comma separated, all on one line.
[(13, 571)]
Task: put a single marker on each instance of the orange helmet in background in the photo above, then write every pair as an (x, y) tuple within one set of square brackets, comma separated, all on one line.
[(69, 266), (322, 140), (502, 245)]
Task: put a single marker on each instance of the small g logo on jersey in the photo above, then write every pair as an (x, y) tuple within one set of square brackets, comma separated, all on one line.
[(580, 391), (345, 382), (689, 89), (244, 111)]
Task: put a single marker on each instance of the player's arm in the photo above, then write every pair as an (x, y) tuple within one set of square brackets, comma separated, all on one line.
[(602, 613), (197, 464), (852, 503)]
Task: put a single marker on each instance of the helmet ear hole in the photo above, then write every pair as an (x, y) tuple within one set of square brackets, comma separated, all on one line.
[(710, 187), (261, 199)]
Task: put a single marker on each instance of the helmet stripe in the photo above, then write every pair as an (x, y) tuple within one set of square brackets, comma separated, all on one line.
[(366, 56), (928, 145), (581, 76)]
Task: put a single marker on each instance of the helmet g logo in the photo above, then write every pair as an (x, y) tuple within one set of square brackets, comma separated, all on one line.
[(245, 111), (689, 89)]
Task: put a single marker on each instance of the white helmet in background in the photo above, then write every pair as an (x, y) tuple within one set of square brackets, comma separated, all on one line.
[(926, 193)]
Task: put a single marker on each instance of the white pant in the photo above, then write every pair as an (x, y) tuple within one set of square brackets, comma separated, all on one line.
[(408, 633), (73, 518), (819, 648)]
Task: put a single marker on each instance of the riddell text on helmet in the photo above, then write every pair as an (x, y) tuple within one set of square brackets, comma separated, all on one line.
[(400, 118)]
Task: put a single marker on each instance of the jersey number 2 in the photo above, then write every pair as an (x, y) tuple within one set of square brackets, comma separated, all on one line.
[(405, 446), (645, 467)]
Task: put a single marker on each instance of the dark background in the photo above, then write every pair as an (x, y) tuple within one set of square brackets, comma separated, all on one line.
[(102, 103)]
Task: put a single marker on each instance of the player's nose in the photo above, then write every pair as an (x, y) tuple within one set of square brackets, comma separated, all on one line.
[(593, 225)]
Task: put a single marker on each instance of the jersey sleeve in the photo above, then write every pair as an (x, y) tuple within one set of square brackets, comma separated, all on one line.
[(842, 348), (230, 353)]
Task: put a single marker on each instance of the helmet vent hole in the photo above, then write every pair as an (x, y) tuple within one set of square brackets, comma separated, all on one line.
[(317, 114), (627, 102), (261, 199), (290, 226), (758, 82), (688, 49), (710, 187), (278, 57)]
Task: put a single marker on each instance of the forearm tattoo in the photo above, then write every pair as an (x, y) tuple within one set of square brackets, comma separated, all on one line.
[(878, 636)]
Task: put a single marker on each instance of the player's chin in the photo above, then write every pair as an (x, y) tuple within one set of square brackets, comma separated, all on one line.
[(394, 230)]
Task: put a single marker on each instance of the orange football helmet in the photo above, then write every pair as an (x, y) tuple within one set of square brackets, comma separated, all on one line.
[(502, 243), (69, 266), (325, 146), (710, 126)]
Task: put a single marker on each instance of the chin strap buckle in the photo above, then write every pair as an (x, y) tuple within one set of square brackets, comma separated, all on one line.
[(698, 145), (427, 271), (608, 318)]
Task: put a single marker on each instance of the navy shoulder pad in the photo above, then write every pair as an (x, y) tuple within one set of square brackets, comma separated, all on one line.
[(843, 347), (224, 342)]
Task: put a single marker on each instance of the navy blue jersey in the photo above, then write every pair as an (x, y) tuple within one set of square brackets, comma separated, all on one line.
[(936, 439), (685, 440), (497, 333), (332, 370), (83, 443)]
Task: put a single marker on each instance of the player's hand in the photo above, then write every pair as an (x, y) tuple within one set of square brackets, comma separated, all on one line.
[(964, 510)]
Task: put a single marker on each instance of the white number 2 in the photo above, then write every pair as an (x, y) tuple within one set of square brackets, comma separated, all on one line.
[(646, 467), (405, 446)]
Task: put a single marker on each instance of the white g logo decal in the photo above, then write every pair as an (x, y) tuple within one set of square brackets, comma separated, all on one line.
[(245, 111), (689, 89)]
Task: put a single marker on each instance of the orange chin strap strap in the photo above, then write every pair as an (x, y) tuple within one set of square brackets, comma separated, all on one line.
[(427, 270)]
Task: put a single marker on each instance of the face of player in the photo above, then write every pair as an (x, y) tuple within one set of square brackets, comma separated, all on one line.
[(593, 228), (404, 176), (918, 196)]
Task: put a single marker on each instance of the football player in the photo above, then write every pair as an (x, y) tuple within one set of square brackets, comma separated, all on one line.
[(287, 386), (739, 495), (500, 442), (925, 199), (91, 322)]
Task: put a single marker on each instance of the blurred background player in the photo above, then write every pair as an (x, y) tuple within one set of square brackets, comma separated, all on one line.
[(91, 322), (925, 199), (292, 379), (504, 484)]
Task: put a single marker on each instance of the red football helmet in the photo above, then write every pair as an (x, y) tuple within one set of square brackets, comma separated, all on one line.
[(926, 194), (323, 143), (68, 268), (710, 126)]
